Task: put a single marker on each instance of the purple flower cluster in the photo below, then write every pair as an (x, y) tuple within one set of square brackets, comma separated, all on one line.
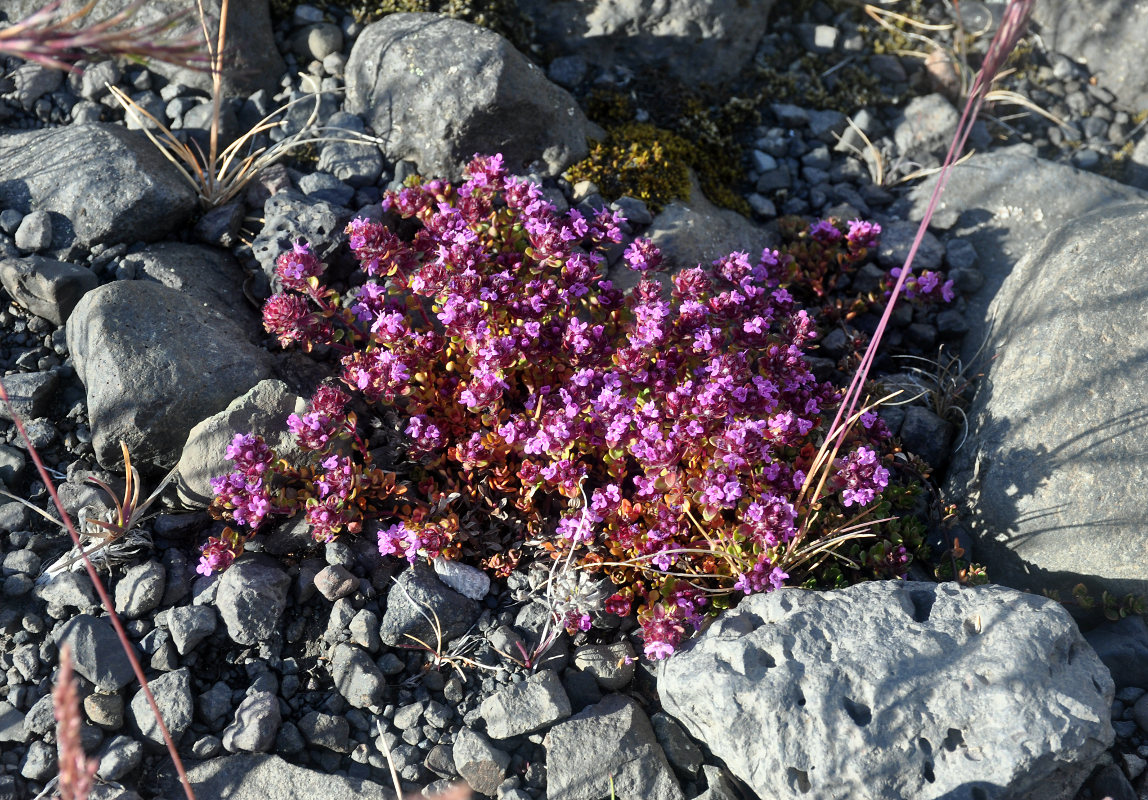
[(862, 477), (928, 287), (683, 416)]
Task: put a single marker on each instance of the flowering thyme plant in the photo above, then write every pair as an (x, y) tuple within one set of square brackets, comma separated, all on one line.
[(668, 439)]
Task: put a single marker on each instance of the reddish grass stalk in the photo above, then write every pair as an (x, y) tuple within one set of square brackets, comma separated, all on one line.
[(105, 599), (76, 769), (50, 40), (1012, 27)]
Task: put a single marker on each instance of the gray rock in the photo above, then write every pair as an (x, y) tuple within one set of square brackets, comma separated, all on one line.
[(679, 748), (354, 162), (611, 739), (39, 762), (1140, 712), (415, 591), (190, 625), (94, 82), (827, 125), (356, 676), (567, 71), (365, 630), (149, 199), (221, 225), (289, 217), (255, 726), (21, 561), (140, 589), (96, 652), (145, 112), (12, 463), (1103, 35), (325, 187), (525, 707), (722, 35), (69, 590), (33, 81), (172, 692), (471, 93), (205, 275), (1123, 647), (29, 394), (1110, 783), (317, 41), (49, 289), (925, 127), (927, 435), (119, 757), (35, 232), (12, 724), (271, 778), (900, 689), (1005, 203), (214, 704), (41, 716), (896, 239), (718, 786), (262, 410), (143, 351), (105, 710), (482, 765), (612, 665), (251, 597), (326, 730), (1046, 466), (696, 232)]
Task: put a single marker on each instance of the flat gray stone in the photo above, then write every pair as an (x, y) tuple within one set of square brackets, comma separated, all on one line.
[(262, 410), (612, 739), (896, 689), (206, 275), (46, 287), (1051, 475), (525, 707), (99, 183), (269, 777), (96, 652), (29, 394)]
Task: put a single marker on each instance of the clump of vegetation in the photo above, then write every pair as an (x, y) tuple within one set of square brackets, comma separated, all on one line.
[(639, 160), (651, 160)]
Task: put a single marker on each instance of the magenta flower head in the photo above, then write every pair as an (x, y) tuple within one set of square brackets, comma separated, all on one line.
[(862, 234), (286, 317), (643, 255), (825, 232), (296, 267)]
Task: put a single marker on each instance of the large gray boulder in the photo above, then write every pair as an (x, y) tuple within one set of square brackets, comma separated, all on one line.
[(1053, 472), (251, 59), (438, 90), (154, 365), (1004, 204), (896, 689), (1106, 35), (99, 183), (696, 41)]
